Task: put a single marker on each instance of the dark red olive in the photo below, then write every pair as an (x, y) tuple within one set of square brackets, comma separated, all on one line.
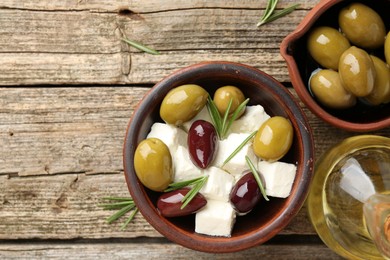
[(169, 203), (202, 143), (245, 194)]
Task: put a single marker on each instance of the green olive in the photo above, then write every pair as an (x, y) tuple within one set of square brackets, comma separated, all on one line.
[(222, 98), (387, 48), (153, 164), (273, 139), (327, 87), (182, 103), (357, 71), (325, 45), (381, 92), (362, 26)]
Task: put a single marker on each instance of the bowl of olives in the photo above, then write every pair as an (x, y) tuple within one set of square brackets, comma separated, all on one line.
[(338, 60), (218, 157)]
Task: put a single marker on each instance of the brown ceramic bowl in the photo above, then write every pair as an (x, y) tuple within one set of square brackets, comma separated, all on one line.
[(360, 118), (267, 219)]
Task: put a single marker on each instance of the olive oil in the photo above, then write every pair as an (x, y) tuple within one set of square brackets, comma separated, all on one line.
[(345, 178)]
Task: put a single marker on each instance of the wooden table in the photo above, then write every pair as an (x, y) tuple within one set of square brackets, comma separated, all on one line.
[(68, 88)]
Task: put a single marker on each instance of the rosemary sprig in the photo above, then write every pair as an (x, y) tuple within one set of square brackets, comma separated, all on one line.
[(196, 184), (177, 185), (257, 177), (222, 124), (238, 149), (270, 14), (192, 193), (124, 205), (141, 46)]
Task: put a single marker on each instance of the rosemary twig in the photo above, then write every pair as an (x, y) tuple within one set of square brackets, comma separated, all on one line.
[(270, 14), (222, 124), (192, 193), (196, 184), (124, 205), (257, 177), (238, 149), (177, 185), (141, 46)]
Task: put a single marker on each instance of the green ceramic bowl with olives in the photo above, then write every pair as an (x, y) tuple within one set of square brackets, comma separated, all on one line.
[(161, 105), (338, 60)]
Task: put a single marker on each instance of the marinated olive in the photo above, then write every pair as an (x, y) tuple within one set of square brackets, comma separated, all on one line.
[(325, 45), (182, 103), (222, 98), (328, 89), (381, 91), (153, 164), (273, 139), (245, 194), (362, 26), (202, 143), (169, 204), (387, 48), (357, 71)]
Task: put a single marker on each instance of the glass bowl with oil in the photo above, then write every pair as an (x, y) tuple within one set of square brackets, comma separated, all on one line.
[(349, 200)]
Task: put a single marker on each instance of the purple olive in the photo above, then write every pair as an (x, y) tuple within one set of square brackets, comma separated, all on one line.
[(169, 203), (202, 143), (245, 194)]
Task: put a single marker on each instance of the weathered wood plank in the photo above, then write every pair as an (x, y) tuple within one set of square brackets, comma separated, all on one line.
[(156, 251), (64, 206), (48, 68), (57, 130), (43, 47), (142, 6)]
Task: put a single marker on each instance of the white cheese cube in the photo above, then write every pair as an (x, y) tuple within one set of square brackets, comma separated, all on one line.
[(184, 168), (202, 115), (250, 121), (278, 177), (218, 185), (237, 165), (171, 135), (215, 219)]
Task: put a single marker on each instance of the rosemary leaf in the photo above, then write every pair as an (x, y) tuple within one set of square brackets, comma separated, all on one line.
[(116, 205), (268, 11), (120, 213), (222, 125), (140, 46), (257, 177), (118, 199), (192, 193), (238, 149), (129, 219), (279, 14), (182, 184), (215, 116), (123, 205), (225, 119), (236, 114)]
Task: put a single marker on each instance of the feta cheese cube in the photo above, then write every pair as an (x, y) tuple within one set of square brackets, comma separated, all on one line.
[(184, 168), (202, 115), (215, 219), (250, 121), (218, 185), (237, 165), (278, 177), (171, 135)]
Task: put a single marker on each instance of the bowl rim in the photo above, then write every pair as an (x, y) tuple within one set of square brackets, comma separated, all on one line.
[(220, 244), (300, 86)]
